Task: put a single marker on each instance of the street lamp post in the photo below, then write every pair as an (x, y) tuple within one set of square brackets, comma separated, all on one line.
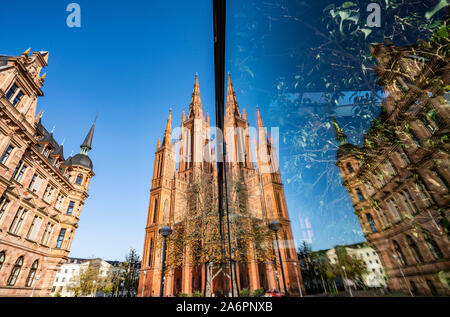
[(165, 232), (143, 284), (345, 282), (404, 278), (275, 226), (298, 281), (34, 285)]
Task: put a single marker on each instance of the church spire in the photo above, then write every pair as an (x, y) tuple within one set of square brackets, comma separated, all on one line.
[(340, 135), (232, 107), (260, 122), (87, 143), (195, 108), (168, 132)]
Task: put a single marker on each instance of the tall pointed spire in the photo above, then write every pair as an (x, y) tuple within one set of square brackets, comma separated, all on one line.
[(87, 143), (168, 132), (340, 135), (195, 108), (232, 107), (260, 122)]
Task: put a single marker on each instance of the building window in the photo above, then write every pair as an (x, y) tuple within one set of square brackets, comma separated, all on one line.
[(150, 253), (34, 228), (2, 258), (432, 245), (394, 209), (70, 207), (15, 272), (11, 91), (371, 222), (441, 180), (166, 203), (414, 249), (155, 210), (269, 207), (414, 289), (384, 220), (423, 194), (399, 252), (17, 221), (34, 184), (360, 194), (32, 273), (79, 179), (6, 154), (409, 203), (414, 137), (48, 193), (60, 239), (59, 201), (278, 200), (427, 123), (4, 203), (47, 233), (15, 92), (19, 171), (350, 168), (403, 157), (431, 287)]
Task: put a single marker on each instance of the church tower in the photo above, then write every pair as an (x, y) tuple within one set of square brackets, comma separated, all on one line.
[(168, 204)]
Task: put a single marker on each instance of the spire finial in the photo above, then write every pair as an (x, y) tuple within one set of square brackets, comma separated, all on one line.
[(53, 129), (43, 77), (64, 140), (232, 107), (195, 107), (168, 130), (260, 122), (87, 143), (27, 52)]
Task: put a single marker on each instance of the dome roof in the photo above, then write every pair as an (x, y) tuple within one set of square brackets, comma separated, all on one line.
[(82, 160)]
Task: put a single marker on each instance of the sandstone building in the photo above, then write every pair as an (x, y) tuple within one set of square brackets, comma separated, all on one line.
[(399, 180), (41, 192), (168, 199)]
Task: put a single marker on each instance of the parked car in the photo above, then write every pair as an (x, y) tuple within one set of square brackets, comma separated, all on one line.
[(274, 293)]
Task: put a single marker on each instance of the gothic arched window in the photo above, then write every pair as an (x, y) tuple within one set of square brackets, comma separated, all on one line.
[(278, 199), (155, 210), (269, 206), (32, 273), (150, 253), (79, 179), (166, 203), (414, 249), (399, 252), (432, 245), (15, 272)]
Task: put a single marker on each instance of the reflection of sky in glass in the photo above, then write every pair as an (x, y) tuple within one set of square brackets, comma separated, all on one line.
[(266, 53)]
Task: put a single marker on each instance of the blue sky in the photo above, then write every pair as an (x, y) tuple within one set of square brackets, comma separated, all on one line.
[(130, 62)]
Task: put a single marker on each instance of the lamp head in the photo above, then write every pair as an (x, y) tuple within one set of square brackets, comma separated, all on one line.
[(165, 231), (275, 225)]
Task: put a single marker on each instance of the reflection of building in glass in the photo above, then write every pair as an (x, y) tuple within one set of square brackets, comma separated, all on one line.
[(168, 203), (399, 180), (41, 192), (375, 275)]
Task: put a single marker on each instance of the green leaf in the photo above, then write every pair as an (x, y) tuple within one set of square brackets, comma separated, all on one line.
[(366, 32), (442, 4), (348, 4)]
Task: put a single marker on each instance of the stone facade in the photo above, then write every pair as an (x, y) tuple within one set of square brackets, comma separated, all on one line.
[(167, 205), (41, 192), (399, 180), (375, 275)]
